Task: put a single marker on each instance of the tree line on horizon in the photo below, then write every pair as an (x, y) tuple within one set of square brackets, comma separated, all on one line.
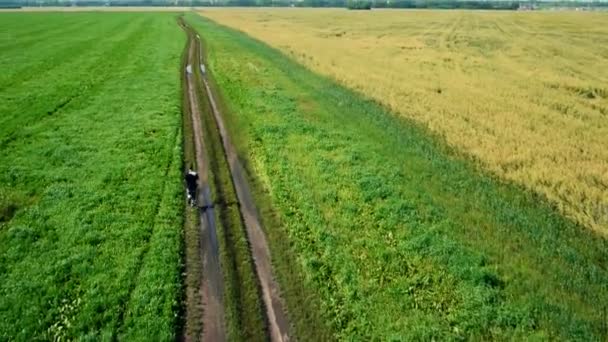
[(351, 4)]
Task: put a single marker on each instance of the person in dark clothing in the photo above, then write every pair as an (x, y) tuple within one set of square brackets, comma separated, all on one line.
[(191, 185)]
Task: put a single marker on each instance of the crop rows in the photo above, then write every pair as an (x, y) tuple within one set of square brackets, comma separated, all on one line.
[(90, 169)]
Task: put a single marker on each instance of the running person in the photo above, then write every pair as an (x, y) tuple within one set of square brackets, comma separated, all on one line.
[(191, 185)]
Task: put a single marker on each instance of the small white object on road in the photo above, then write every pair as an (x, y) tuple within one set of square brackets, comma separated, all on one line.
[(203, 69), (189, 69)]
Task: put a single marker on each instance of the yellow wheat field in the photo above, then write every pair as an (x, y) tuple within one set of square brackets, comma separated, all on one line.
[(524, 93)]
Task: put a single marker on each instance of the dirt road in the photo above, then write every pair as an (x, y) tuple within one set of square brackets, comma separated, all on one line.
[(278, 323), (212, 297)]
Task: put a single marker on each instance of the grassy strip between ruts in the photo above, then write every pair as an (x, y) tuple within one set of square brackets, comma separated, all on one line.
[(395, 235), (90, 174)]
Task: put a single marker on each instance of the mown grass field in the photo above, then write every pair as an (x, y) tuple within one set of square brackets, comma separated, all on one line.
[(524, 93), (379, 230), (90, 176)]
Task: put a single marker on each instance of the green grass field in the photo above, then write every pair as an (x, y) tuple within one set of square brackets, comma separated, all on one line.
[(379, 230), (90, 176)]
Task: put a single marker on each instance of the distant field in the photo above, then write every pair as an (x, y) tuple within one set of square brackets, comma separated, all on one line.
[(379, 231), (525, 93), (90, 191)]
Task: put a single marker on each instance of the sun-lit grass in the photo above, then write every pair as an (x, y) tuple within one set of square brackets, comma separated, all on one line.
[(524, 93), (90, 176)]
